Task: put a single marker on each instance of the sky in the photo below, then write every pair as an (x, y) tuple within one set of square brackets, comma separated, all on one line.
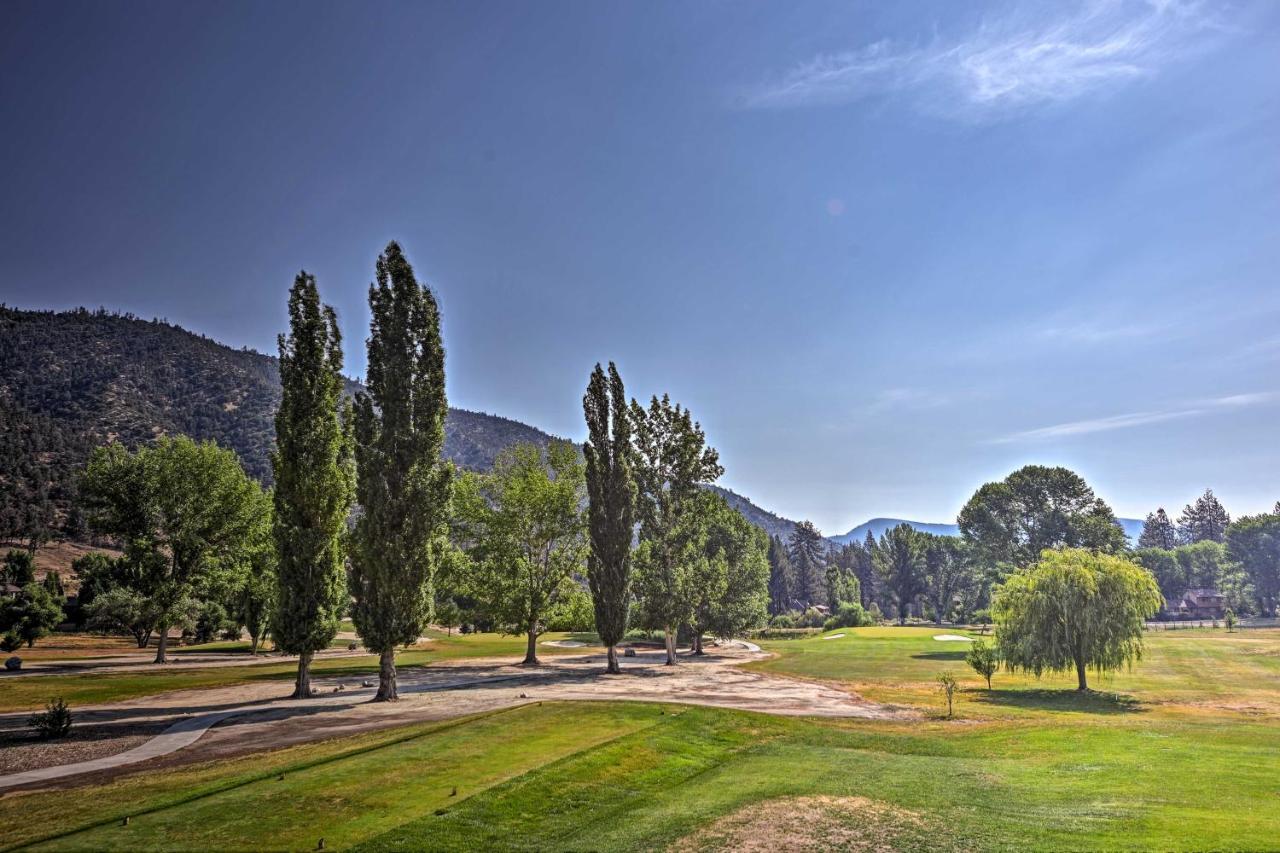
[(885, 252)]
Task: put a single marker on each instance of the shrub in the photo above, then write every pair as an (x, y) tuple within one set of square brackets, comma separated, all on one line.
[(782, 620), (984, 659), (847, 615), (10, 642), (54, 721), (947, 683)]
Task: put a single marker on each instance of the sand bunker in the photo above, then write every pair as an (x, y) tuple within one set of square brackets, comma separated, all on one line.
[(952, 638), (809, 823), (833, 637), (564, 644)]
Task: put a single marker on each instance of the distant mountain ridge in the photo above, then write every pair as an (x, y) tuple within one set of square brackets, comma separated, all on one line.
[(877, 526)]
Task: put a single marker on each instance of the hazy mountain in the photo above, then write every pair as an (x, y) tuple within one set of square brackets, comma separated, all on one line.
[(877, 526), (774, 525)]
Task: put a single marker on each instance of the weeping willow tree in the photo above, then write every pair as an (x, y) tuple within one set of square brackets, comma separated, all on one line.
[(1074, 610)]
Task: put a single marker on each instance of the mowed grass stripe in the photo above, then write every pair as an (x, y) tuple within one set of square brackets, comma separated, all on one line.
[(571, 803), (359, 793)]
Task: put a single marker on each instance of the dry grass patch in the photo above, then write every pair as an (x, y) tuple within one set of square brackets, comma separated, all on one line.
[(808, 824)]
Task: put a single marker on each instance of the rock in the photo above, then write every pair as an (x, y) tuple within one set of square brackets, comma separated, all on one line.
[(366, 683), (13, 664), (524, 695), (628, 652), (351, 647)]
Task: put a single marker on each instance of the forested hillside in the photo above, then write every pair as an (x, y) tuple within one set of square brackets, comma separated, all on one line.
[(73, 380)]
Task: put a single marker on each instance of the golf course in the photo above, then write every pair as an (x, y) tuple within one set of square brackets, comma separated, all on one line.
[(1178, 753)]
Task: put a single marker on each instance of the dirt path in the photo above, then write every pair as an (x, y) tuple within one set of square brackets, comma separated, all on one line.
[(225, 721)]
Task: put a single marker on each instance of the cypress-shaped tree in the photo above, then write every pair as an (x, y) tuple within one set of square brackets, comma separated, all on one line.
[(611, 494), (315, 481), (1205, 521), (781, 577), (402, 485)]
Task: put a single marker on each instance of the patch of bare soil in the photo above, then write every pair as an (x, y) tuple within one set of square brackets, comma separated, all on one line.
[(808, 824)]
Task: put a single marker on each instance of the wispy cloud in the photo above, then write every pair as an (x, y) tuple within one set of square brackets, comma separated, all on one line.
[(1137, 419), (1003, 64), (1095, 332)]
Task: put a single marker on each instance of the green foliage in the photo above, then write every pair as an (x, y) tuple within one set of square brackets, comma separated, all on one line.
[(1158, 531), (19, 568), (31, 614), (211, 622), (1254, 543), (1204, 521), (315, 485), (526, 533), (1010, 522), (671, 461), (732, 595), (1073, 610), (781, 578), (185, 512), (848, 614), (125, 610), (947, 684), (611, 506), (984, 658), (948, 574), (808, 552), (402, 484), (571, 611), (53, 722), (900, 564)]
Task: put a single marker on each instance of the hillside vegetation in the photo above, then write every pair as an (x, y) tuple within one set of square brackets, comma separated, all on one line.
[(70, 381)]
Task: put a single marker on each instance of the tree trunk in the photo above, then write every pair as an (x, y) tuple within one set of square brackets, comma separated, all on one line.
[(697, 644), (670, 637), (613, 661), (387, 677), (1080, 676), (531, 651), (253, 649), (302, 687), (162, 644)]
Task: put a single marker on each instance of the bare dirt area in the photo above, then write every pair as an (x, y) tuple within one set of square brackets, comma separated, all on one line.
[(806, 824), (264, 719), (21, 749)]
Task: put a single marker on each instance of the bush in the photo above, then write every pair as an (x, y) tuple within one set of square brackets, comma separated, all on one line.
[(10, 642), (984, 659), (54, 721), (848, 615), (782, 620)]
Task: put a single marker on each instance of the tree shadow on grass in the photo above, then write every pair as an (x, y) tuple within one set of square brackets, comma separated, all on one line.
[(940, 656), (1089, 701)]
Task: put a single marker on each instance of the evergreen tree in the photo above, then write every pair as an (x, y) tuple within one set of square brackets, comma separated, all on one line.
[(947, 571), (808, 551), (1204, 521), (611, 509), (1158, 531), (672, 460), (314, 484), (781, 578), (402, 485), (867, 576), (901, 566), (1254, 543)]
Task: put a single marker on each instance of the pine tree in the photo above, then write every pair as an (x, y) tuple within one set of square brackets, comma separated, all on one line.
[(1205, 521), (808, 551), (900, 562), (402, 485), (315, 482), (1158, 531), (611, 492), (781, 578)]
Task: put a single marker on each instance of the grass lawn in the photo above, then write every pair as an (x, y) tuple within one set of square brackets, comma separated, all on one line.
[(1179, 754), (32, 692)]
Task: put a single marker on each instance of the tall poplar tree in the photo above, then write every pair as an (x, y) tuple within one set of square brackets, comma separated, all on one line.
[(315, 481), (611, 493), (402, 485)]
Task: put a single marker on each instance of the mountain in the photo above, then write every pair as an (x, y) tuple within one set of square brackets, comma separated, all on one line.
[(877, 526), (774, 525), (73, 380)]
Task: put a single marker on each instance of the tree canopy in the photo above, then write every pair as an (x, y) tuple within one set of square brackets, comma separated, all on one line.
[(1074, 610)]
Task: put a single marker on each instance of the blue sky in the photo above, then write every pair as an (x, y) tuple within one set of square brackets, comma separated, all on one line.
[(885, 252)]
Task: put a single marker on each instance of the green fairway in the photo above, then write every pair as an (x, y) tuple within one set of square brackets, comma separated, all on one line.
[(31, 692), (1181, 754)]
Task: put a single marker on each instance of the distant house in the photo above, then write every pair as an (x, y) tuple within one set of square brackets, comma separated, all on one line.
[(1197, 604)]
